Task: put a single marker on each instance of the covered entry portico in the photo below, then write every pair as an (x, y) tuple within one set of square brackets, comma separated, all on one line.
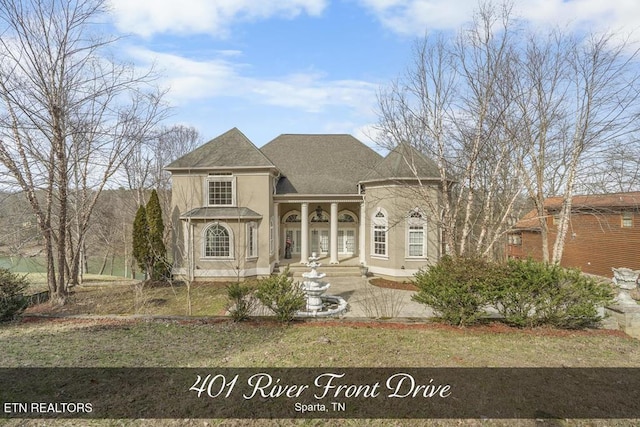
[(330, 226)]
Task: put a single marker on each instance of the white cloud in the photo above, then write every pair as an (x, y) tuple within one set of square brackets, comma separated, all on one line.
[(414, 17), (148, 17), (191, 79)]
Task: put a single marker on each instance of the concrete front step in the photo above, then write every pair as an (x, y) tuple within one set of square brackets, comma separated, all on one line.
[(329, 270)]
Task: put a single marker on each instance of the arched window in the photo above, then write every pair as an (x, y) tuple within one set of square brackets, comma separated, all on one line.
[(292, 217), (416, 234), (379, 239), (218, 241), (346, 216)]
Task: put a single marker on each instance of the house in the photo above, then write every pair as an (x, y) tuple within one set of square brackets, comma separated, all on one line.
[(604, 233), (239, 211)]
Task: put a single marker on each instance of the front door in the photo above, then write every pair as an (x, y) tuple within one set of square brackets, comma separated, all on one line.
[(346, 241), (320, 241), (295, 237)]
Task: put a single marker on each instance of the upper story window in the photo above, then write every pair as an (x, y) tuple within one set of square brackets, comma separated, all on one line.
[(221, 190), (627, 219), (515, 239)]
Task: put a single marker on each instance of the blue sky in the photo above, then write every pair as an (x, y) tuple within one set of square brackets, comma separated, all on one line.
[(303, 66)]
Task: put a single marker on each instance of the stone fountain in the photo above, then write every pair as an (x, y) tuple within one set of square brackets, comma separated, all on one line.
[(318, 304), (626, 280)]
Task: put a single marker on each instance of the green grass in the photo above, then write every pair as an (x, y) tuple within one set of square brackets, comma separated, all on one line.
[(174, 343), (218, 342), (37, 264), (124, 297)]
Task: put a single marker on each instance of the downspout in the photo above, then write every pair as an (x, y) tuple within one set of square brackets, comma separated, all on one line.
[(190, 250)]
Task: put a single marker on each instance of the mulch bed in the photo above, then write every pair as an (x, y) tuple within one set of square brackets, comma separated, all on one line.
[(491, 327), (392, 284)]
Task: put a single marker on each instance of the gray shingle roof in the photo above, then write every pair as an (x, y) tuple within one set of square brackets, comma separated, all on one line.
[(221, 213), (320, 164), (404, 161), (231, 149)]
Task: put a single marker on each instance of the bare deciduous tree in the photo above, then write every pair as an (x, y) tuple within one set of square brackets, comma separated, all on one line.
[(451, 106), (69, 118), (510, 113)]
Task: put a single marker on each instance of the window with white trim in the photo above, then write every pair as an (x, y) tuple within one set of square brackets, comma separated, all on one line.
[(627, 219), (218, 242), (379, 234), (252, 240), (416, 235), (221, 190), (272, 236)]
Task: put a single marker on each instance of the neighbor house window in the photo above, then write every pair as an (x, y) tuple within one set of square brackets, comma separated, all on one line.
[(380, 224), (217, 241), (515, 239), (221, 189), (252, 240), (416, 225), (627, 219)]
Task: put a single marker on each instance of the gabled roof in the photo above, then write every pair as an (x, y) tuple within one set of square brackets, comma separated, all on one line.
[(529, 221), (404, 161), (320, 164), (597, 202), (229, 150)]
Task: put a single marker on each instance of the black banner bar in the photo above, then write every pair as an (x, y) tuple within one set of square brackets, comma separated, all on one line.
[(320, 393)]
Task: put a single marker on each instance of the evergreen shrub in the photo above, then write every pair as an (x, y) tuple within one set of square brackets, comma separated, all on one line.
[(526, 293), (12, 298), (281, 295), (241, 301), (456, 288)]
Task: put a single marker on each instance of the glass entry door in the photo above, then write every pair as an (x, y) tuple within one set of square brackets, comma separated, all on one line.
[(346, 241), (319, 241), (295, 237)]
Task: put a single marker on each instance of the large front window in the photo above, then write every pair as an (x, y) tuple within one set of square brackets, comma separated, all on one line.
[(217, 242), (416, 225), (220, 189), (379, 240)]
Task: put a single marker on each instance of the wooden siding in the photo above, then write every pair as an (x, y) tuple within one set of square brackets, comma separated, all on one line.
[(595, 243)]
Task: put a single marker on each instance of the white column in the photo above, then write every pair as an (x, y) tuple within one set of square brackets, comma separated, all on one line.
[(304, 230), (333, 235), (361, 235), (276, 230)]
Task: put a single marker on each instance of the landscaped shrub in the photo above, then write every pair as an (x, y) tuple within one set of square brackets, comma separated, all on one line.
[(281, 295), (532, 293), (241, 301), (525, 292), (457, 289), (12, 298), (520, 287)]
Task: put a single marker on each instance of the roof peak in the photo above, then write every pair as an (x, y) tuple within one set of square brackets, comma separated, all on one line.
[(230, 149)]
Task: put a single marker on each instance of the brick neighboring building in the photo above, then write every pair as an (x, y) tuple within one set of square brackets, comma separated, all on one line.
[(604, 232)]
